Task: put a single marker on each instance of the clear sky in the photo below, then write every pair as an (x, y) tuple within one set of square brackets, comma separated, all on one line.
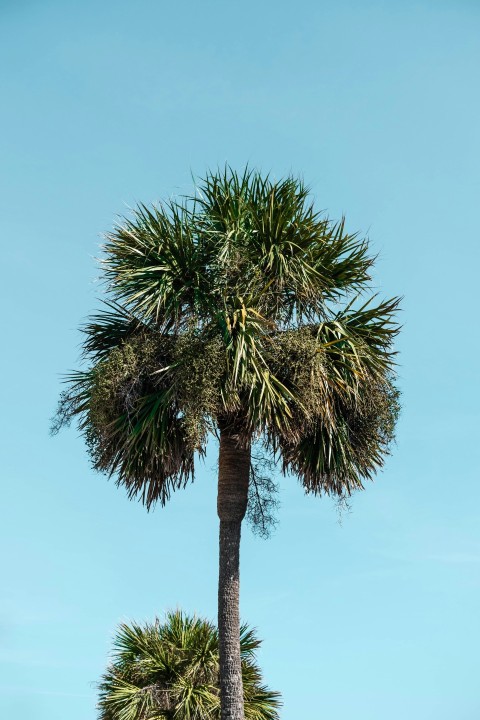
[(377, 105)]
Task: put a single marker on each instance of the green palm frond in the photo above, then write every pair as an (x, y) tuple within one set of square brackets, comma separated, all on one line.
[(249, 642), (277, 247), (108, 330), (148, 450), (156, 267), (171, 670), (358, 342), (249, 381), (128, 411), (335, 460)]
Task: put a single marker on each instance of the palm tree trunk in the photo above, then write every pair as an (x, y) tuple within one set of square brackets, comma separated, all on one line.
[(233, 475)]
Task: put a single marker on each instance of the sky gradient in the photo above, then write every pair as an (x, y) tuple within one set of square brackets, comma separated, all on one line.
[(377, 106)]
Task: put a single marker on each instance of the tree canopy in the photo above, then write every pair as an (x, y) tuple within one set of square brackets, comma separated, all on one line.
[(241, 306), (170, 669)]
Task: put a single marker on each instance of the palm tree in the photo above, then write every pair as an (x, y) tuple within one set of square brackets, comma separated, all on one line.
[(244, 313), (170, 670)]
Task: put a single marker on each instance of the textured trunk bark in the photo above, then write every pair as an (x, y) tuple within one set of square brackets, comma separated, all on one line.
[(233, 475)]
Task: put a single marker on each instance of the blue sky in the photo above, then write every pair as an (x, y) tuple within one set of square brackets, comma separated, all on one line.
[(377, 105)]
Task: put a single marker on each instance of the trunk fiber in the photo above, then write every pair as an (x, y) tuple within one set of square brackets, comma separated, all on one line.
[(233, 475)]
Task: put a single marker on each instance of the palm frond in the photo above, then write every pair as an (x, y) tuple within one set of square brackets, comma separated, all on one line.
[(127, 409), (249, 381), (274, 245), (336, 460), (108, 330), (155, 267)]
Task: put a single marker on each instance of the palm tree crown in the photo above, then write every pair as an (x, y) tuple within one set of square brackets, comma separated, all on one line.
[(171, 670), (240, 308)]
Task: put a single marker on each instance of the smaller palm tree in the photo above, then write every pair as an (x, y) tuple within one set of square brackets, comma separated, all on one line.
[(170, 670)]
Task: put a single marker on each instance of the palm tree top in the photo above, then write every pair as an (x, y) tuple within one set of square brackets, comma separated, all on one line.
[(243, 309), (170, 669), (243, 241)]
